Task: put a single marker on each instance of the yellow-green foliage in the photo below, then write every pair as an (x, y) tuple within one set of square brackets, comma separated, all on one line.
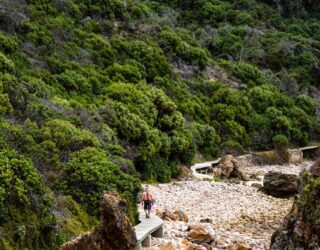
[(74, 219), (21, 229), (308, 202), (6, 65)]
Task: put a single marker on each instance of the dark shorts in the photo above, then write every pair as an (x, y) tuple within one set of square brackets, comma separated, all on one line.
[(147, 205)]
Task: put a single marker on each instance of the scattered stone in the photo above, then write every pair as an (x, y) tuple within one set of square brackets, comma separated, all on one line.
[(168, 246), (280, 185), (206, 246), (253, 176), (235, 181), (230, 247), (177, 215), (256, 185), (190, 246), (154, 248), (242, 246), (221, 242), (199, 234), (207, 220)]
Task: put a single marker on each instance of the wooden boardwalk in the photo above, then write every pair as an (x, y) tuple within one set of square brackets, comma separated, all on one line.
[(147, 227), (308, 148), (201, 167)]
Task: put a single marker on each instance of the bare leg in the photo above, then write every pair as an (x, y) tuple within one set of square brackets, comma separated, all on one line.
[(146, 212), (149, 212)]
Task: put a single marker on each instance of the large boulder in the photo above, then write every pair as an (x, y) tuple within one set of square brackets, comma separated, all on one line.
[(198, 234), (301, 227), (228, 168), (114, 231), (280, 185), (185, 174)]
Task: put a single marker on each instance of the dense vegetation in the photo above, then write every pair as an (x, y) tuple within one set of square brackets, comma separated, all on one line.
[(97, 95)]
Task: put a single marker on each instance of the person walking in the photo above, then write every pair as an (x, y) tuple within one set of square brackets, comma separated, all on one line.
[(147, 200)]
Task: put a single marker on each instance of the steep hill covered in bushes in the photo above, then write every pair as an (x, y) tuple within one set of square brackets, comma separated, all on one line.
[(98, 95)]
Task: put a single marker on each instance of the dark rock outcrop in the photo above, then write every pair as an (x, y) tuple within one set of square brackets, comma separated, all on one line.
[(114, 231), (279, 184), (301, 227), (315, 169)]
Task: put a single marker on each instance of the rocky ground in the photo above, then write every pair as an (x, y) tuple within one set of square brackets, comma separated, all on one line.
[(235, 216), (286, 169)]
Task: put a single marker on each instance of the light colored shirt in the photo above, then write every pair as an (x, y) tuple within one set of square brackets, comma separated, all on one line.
[(147, 196)]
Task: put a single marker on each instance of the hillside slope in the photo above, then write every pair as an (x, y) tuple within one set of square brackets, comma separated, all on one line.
[(98, 95)]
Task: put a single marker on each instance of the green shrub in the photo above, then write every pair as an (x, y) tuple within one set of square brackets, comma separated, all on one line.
[(6, 65), (231, 147), (5, 106), (67, 137), (150, 56), (73, 81), (261, 99), (101, 51), (135, 100), (156, 169), (128, 73), (89, 173), (306, 103), (260, 132), (20, 182), (249, 74), (280, 141), (299, 137), (206, 140), (8, 44), (176, 48)]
